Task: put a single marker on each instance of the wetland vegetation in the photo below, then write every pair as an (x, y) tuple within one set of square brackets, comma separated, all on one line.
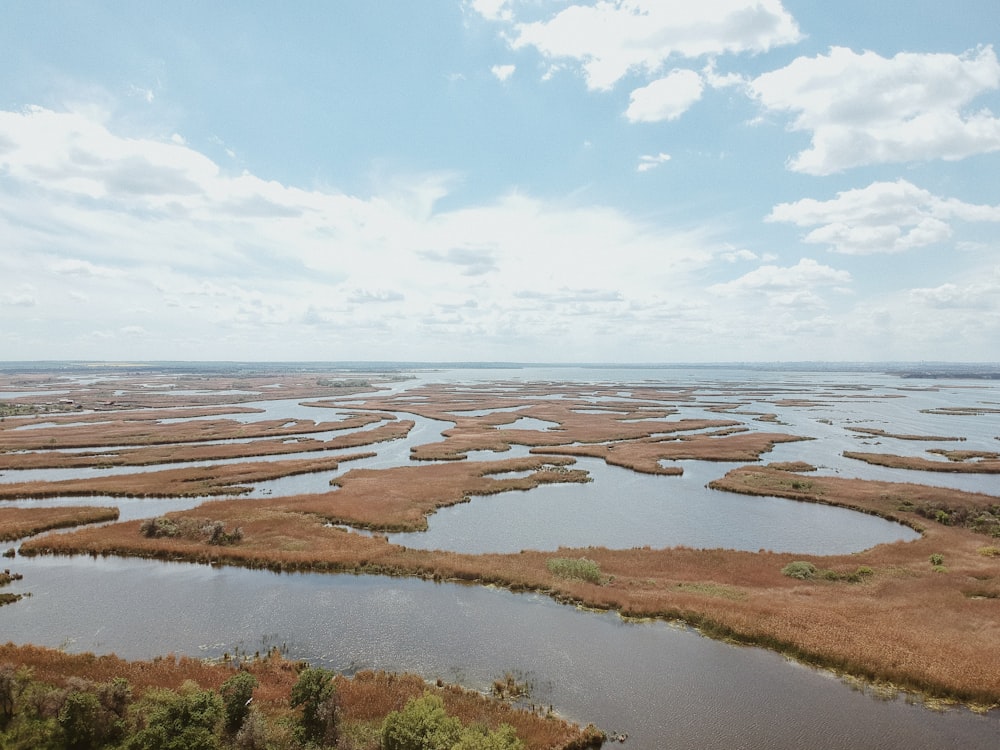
[(862, 614)]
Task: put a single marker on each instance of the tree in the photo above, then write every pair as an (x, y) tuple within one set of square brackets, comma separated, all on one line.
[(82, 720), (253, 732), (315, 693), (8, 693), (236, 693)]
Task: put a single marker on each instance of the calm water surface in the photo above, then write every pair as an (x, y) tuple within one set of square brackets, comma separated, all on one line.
[(666, 686)]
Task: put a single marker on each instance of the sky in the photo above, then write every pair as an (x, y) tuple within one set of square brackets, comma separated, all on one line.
[(635, 181)]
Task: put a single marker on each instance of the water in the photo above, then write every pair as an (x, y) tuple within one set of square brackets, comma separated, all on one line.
[(664, 685), (622, 509)]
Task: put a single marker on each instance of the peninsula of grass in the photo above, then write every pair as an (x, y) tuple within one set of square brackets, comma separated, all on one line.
[(959, 462), (17, 523)]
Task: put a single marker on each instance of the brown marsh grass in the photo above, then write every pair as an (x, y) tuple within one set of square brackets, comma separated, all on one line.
[(160, 454), (17, 523), (925, 626), (964, 462), (131, 432), (194, 481)]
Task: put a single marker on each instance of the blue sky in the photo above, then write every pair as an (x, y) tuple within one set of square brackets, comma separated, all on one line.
[(521, 180)]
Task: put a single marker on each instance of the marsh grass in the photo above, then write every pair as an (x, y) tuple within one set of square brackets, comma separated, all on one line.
[(17, 523), (717, 590)]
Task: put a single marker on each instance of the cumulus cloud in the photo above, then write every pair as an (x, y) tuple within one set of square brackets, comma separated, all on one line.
[(982, 295), (217, 261), (665, 98), (503, 72), (651, 161), (885, 217), (741, 254), (862, 108), (492, 9), (795, 286), (612, 37)]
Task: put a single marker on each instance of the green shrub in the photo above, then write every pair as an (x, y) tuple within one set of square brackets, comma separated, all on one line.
[(799, 569), (989, 551), (213, 532), (579, 568), (480, 738), (937, 559), (423, 724)]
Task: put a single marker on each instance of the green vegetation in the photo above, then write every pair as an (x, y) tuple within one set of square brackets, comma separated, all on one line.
[(982, 520), (237, 692), (343, 383), (579, 568), (84, 715), (424, 724), (990, 551), (191, 719), (316, 695), (799, 569), (805, 571)]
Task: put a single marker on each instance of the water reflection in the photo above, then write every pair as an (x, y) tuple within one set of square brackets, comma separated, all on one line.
[(622, 509)]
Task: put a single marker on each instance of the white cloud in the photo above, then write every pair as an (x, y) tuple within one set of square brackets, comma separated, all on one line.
[(885, 217), (665, 98), (503, 72), (208, 262), (862, 108), (742, 254), (651, 161), (789, 286), (981, 295), (612, 37), (492, 9), (23, 297)]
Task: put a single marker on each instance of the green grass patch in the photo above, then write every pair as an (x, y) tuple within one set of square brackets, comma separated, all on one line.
[(806, 571), (579, 568)]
